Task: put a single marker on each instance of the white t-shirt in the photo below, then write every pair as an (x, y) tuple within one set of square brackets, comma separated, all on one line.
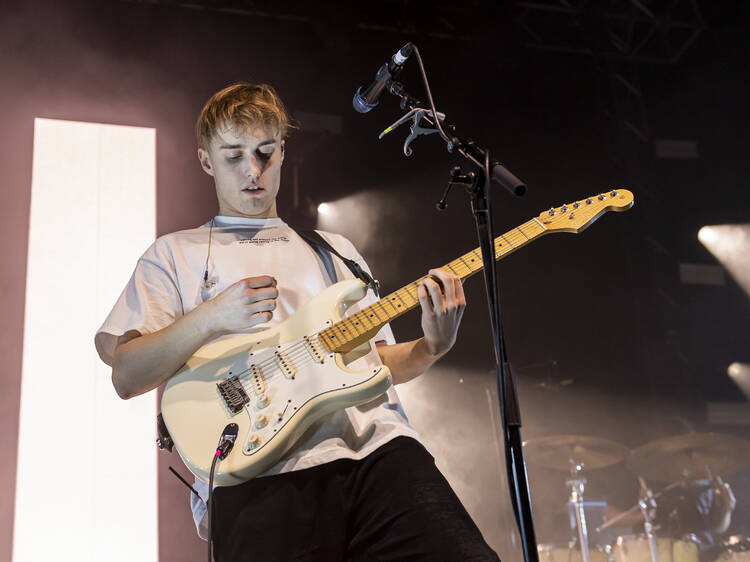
[(168, 283)]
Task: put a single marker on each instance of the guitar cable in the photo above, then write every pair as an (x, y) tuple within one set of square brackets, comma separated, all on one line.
[(209, 502), (226, 443)]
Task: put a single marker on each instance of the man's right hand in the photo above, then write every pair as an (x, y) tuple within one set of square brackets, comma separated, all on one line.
[(142, 362), (247, 303)]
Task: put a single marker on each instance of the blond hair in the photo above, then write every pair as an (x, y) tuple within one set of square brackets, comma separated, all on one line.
[(242, 105)]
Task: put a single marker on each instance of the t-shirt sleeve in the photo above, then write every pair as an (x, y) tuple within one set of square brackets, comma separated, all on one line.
[(347, 249), (149, 302)]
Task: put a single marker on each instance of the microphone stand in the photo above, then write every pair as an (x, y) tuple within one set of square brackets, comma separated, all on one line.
[(476, 186)]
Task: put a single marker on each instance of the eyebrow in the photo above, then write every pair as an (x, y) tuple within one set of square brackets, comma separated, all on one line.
[(261, 143)]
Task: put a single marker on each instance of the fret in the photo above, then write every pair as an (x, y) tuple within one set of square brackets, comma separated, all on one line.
[(451, 268), (365, 318), (402, 300), (412, 289), (466, 264), (396, 303), (374, 312), (335, 340), (411, 294), (352, 326), (383, 309)]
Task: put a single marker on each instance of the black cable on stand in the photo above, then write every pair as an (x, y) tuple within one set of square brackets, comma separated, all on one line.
[(476, 184)]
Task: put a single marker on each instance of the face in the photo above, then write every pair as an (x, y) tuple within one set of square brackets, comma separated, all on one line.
[(246, 167)]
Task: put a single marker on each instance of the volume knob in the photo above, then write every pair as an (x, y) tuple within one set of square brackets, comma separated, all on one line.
[(263, 401)]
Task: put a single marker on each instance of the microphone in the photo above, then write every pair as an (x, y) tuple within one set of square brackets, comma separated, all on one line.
[(226, 443), (365, 99)]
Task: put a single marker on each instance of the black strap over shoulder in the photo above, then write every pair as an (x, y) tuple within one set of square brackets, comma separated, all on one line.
[(324, 250)]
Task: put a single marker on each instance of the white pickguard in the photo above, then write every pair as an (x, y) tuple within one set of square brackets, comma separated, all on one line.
[(300, 385)]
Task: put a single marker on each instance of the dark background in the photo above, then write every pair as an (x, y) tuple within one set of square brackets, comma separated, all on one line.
[(605, 310)]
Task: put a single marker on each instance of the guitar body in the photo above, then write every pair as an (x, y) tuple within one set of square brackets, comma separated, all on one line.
[(273, 384)]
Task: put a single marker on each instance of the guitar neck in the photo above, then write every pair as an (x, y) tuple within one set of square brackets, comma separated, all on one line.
[(360, 327)]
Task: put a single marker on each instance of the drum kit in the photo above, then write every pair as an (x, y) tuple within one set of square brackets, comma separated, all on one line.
[(678, 522)]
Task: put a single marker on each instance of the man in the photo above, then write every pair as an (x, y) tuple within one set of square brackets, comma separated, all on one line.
[(358, 485)]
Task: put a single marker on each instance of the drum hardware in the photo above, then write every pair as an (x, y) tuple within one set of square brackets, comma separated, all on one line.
[(647, 505), (573, 453), (577, 484)]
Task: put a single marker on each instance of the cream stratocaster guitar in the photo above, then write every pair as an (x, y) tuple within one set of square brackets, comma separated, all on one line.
[(274, 384)]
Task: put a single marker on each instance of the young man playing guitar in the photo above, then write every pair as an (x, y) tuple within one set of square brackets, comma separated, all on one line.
[(357, 485)]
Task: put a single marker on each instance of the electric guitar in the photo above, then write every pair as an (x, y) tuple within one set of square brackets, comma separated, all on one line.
[(275, 383)]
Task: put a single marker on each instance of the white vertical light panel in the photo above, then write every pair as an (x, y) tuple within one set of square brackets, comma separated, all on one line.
[(86, 481)]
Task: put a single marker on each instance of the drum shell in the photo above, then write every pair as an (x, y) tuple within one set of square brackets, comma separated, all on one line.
[(636, 548), (557, 553)]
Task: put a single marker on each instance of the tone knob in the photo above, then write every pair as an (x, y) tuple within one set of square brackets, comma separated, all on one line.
[(261, 421), (263, 401), (253, 442)]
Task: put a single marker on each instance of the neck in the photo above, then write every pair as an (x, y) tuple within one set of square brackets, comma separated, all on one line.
[(269, 213)]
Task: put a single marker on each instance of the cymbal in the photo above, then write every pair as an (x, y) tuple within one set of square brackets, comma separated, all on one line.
[(692, 455), (557, 451)]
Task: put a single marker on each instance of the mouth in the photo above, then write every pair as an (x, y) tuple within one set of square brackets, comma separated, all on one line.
[(253, 189)]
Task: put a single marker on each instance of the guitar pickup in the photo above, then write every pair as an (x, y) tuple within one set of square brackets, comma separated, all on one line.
[(233, 394), (286, 365), (259, 381), (314, 348)]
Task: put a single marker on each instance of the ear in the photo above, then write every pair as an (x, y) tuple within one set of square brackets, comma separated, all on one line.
[(205, 160), (283, 142)]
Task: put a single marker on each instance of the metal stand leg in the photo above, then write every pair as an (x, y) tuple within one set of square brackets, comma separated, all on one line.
[(646, 502), (576, 499)]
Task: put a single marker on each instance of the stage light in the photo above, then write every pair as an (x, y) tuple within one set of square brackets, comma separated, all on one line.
[(86, 473), (740, 374), (707, 235), (730, 245), (324, 209)]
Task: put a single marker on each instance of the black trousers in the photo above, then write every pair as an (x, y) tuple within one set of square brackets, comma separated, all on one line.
[(392, 505)]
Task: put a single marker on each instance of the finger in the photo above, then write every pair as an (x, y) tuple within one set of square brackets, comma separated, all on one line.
[(262, 306), (460, 295), (259, 318), (254, 295), (259, 281), (424, 298), (436, 295), (447, 280)]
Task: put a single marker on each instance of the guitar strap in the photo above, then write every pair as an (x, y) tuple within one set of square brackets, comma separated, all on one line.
[(324, 250)]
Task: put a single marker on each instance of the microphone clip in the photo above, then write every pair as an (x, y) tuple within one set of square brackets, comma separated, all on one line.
[(417, 116)]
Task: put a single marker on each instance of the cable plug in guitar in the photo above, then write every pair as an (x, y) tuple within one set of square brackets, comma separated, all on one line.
[(226, 443)]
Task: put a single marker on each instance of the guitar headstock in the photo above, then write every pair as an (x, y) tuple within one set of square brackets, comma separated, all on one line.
[(576, 216)]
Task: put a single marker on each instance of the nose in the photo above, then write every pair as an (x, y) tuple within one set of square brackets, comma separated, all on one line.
[(253, 169)]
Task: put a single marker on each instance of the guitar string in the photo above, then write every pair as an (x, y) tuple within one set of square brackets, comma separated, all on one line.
[(298, 349)]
